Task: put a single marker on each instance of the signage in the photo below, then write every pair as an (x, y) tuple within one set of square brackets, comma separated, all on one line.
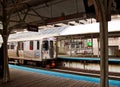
[(32, 28)]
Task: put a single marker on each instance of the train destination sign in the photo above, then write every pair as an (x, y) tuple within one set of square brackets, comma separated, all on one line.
[(32, 28)]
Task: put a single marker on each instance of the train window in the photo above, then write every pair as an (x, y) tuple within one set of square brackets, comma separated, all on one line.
[(31, 45), (22, 46), (51, 43), (45, 45), (38, 45), (8, 45), (12, 46)]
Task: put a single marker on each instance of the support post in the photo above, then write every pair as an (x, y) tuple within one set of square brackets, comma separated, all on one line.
[(104, 46), (92, 45), (102, 10), (6, 76), (98, 47), (104, 54)]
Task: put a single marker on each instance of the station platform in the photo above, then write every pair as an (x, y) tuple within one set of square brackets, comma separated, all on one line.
[(22, 78)]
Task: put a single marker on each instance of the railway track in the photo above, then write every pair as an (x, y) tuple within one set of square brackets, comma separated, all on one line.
[(93, 73)]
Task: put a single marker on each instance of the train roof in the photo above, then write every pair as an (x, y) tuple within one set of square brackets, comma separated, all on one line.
[(36, 37), (43, 33)]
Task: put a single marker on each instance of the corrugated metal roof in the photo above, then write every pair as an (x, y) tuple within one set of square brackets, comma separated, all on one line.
[(55, 30), (45, 33)]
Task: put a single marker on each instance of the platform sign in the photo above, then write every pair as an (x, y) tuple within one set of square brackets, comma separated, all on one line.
[(32, 28)]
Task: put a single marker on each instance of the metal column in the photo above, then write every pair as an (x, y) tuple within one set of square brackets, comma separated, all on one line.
[(5, 21), (102, 10)]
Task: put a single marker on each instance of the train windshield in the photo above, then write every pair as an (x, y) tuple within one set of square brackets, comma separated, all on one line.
[(45, 45)]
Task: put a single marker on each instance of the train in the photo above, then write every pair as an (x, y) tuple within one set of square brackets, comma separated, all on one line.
[(37, 50)]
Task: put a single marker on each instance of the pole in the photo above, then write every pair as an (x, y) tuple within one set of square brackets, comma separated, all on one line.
[(102, 8), (6, 76), (98, 47), (103, 55)]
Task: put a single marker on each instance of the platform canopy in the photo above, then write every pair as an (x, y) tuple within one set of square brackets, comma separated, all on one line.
[(78, 30), (113, 28), (44, 12)]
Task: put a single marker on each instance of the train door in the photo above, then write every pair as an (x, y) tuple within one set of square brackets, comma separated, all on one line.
[(51, 49), (45, 49), (37, 50), (20, 47), (48, 50)]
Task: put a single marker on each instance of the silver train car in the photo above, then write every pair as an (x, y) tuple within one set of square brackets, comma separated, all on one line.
[(35, 50)]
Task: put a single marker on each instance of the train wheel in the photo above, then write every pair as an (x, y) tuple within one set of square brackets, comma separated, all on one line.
[(53, 64), (48, 66)]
